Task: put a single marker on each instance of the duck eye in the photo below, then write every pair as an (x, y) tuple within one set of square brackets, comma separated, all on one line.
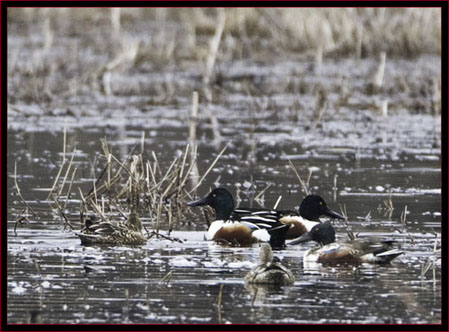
[(321, 203), (214, 195)]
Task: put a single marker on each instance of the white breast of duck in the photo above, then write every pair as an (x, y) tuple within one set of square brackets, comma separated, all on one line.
[(239, 232)]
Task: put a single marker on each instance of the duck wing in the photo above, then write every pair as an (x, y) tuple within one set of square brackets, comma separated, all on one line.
[(376, 251), (263, 218)]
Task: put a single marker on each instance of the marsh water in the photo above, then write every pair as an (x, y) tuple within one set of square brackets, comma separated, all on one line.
[(47, 264), (359, 158)]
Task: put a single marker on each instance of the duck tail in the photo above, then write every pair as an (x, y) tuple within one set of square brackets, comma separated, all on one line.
[(277, 235), (387, 256)]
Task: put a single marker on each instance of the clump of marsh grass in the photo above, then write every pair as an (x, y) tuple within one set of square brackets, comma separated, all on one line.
[(362, 31), (318, 31), (125, 189), (130, 187)]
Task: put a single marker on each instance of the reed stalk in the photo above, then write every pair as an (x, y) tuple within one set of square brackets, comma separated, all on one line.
[(303, 184), (214, 45), (194, 174), (210, 167), (277, 202), (66, 173), (19, 193), (70, 187)]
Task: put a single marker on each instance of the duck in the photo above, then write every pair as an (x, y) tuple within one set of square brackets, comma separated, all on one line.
[(312, 208), (112, 232), (238, 227), (249, 225), (367, 250), (270, 270)]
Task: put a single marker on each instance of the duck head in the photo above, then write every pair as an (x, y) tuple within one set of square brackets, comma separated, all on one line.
[(220, 199), (313, 207), (323, 233)]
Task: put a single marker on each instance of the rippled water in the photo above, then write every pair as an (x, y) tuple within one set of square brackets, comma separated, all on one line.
[(50, 272), (127, 286)]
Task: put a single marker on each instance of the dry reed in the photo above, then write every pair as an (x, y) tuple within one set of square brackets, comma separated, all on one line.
[(131, 186), (304, 185)]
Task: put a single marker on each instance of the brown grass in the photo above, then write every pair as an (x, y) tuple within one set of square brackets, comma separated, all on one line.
[(63, 58), (133, 185), (358, 31)]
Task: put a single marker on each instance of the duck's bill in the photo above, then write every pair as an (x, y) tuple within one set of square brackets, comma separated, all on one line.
[(333, 214), (304, 238), (200, 202)]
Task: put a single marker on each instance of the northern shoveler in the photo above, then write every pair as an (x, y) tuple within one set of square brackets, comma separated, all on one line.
[(270, 270), (255, 225), (355, 251), (249, 225), (113, 232), (311, 209)]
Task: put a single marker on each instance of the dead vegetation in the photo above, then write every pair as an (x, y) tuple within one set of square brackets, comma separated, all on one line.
[(127, 188), (66, 60), (358, 31)]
